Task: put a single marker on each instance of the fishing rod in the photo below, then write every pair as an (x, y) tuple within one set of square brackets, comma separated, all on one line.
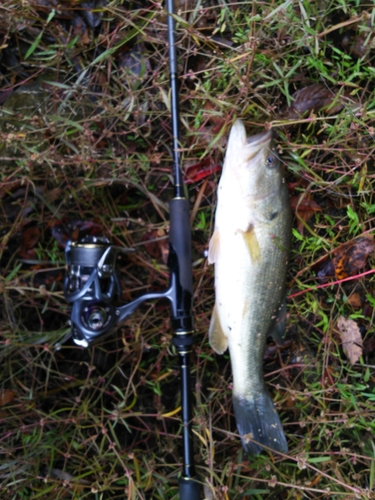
[(92, 284), (180, 250)]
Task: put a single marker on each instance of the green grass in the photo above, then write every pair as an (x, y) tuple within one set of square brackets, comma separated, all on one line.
[(90, 150)]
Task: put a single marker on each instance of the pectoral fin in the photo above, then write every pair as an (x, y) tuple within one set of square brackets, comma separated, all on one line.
[(277, 330), (216, 336), (252, 244), (213, 248)]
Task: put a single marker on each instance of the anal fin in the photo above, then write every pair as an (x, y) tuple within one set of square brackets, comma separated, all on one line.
[(213, 248), (277, 329), (217, 338)]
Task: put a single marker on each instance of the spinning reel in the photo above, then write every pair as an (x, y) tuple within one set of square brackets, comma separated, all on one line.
[(92, 288)]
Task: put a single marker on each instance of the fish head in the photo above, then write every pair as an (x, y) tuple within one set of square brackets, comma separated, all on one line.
[(253, 161), (264, 170)]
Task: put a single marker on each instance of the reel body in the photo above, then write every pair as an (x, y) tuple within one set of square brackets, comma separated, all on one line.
[(91, 287)]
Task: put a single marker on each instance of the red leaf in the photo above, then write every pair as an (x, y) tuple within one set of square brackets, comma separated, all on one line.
[(200, 170)]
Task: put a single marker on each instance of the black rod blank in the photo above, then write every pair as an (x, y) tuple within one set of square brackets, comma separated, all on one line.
[(174, 101), (180, 264)]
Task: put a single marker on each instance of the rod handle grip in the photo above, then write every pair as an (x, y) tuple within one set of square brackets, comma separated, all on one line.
[(189, 489), (180, 239)]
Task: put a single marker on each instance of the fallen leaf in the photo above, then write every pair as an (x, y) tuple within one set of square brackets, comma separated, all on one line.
[(7, 186), (92, 12), (134, 65), (346, 260), (326, 269), (47, 6), (328, 377), (369, 345), (30, 238), (359, 44), (53, 194), (6, 396), (79, 29), (351, 257), (351, 339), (304, 202), (208, 134), (355, 300), (156, 244), (304, 207), (212, 114), (4, 94), (65, 229), (312, 98), (199, 171), (273, 349), (367, 310)]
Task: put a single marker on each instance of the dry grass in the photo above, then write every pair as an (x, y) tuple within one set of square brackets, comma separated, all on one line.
[(85, 148)]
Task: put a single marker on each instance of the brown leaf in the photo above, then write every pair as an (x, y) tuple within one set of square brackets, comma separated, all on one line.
[(351, 338), (359, 40), (328, 377), (212, 114), (312, 98), (64, 230), (6, 396), (53, 194), (355, 300), (157, 245), (30, 237), (304, 202), (79, 28), (7, 186), (351, 257), (369, 345), (304, 207)]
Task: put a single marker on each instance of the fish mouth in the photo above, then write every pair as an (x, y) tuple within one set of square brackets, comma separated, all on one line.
[(259, 139), (257, 143)]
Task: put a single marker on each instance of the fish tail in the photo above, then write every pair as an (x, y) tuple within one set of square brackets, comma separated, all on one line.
[(257, 420)]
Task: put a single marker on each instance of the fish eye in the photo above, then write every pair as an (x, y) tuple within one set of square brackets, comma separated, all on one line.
[(271, 161)]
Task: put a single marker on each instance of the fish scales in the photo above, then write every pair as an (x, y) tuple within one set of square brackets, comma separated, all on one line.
[(249, 248)]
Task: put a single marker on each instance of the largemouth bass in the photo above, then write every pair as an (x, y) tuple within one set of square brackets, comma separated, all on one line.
[(249, 248)]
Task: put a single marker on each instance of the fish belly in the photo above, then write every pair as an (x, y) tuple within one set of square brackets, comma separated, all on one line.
[(248, 296)]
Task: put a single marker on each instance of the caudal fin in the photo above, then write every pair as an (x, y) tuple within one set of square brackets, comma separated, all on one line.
[(257, 420)]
